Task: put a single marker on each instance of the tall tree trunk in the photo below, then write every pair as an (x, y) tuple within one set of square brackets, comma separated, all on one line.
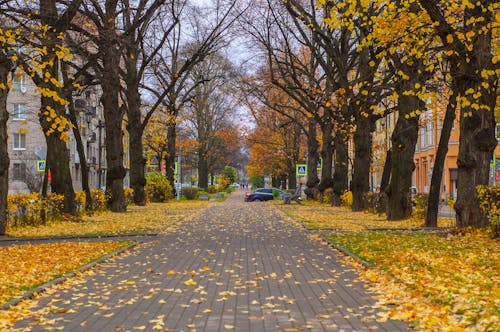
[(4, 151), (135, 126), (327, 155), (58, 163), (113, 116), (476, 73), (404, 138), (171, 152), (381, 206), (312, 162), (136, 149), (341, 173), (57, 151), (202, 168), (437, 171), (477, 143), (360, 184)]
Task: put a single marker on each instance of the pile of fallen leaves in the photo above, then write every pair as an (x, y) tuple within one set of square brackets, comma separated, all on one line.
[(137, 219), (440, 283), (323, 216), (25, 267)]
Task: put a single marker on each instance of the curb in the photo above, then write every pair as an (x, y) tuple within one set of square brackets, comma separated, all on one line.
[(348, 253), (69, 237), (40, 289)]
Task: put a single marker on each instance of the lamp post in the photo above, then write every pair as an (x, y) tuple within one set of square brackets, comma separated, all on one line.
[(179, 175), (99, 157)]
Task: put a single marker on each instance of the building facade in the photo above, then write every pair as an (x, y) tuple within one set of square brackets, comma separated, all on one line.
[(27, 144)]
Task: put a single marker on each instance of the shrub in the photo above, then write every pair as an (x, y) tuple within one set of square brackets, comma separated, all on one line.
[(420, 205), (489, 201), (212, 189), (190, 192), (98, 200), (346, 199), (129, 196), (328, 195), (158, 189), (80, 201), (25, 210)]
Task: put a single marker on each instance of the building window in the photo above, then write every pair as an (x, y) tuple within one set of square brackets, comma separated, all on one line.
[(19, 171), (19, 141), (19, 82), (19, 112)]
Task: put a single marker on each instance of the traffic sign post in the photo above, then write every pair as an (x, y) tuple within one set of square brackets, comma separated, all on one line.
[(320, 164), (40, 165), (301, 170)]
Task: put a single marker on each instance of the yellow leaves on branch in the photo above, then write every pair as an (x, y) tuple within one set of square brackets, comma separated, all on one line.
[(60, 124)]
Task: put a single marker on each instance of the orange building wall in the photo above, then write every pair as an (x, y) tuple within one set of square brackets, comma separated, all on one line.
[(424, 160)]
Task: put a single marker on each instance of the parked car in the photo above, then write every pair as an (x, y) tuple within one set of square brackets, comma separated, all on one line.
[(263, 194)]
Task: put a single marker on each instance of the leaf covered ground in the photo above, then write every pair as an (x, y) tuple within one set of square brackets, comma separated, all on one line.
[(27, 266), (137, 219), (323, 216), (438, 281)]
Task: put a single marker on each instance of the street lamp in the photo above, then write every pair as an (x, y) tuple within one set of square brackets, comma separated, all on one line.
[(99, 157)]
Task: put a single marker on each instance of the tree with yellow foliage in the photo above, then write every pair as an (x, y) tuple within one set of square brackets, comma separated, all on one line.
[(7, 39), (465, 29)]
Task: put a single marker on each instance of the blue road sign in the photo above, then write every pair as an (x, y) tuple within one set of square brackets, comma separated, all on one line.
[(301, 170), (40, 165)]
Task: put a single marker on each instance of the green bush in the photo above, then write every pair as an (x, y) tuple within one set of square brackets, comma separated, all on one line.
[(158, 189), (420, 205), (489, 200), (212, 189), (26, 209), (346, 199), (190, 192)]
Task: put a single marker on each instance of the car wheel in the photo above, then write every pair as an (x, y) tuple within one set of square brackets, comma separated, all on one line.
[(257, 200)]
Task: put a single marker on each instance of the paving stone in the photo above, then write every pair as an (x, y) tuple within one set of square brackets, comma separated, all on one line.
[(235, 267)]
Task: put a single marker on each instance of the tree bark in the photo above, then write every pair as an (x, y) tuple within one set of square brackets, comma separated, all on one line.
[(136, 149), (202, 169), (477, 123), (113, 116), (404, 138), (312, 162), (437, 172), (171, 152), (360, 184), (340, 175), (57, 151), (477, 143), (327, 155), (5, 65)]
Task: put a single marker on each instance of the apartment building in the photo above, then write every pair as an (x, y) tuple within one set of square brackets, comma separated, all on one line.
[(27, 145), (425, 153)]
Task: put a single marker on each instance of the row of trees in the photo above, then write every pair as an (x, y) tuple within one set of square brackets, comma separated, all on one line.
[(134, 51), (333, 68)]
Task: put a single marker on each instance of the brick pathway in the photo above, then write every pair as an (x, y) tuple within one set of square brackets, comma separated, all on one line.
[(238, 266)]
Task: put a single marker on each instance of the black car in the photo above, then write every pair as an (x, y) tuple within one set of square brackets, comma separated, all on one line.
[(262, 194)]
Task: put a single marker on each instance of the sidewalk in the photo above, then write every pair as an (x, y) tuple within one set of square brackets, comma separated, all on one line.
[(236, 267)]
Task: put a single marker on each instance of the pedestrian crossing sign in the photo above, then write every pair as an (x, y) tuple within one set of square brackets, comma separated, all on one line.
[(301, 170), (40, 165)]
